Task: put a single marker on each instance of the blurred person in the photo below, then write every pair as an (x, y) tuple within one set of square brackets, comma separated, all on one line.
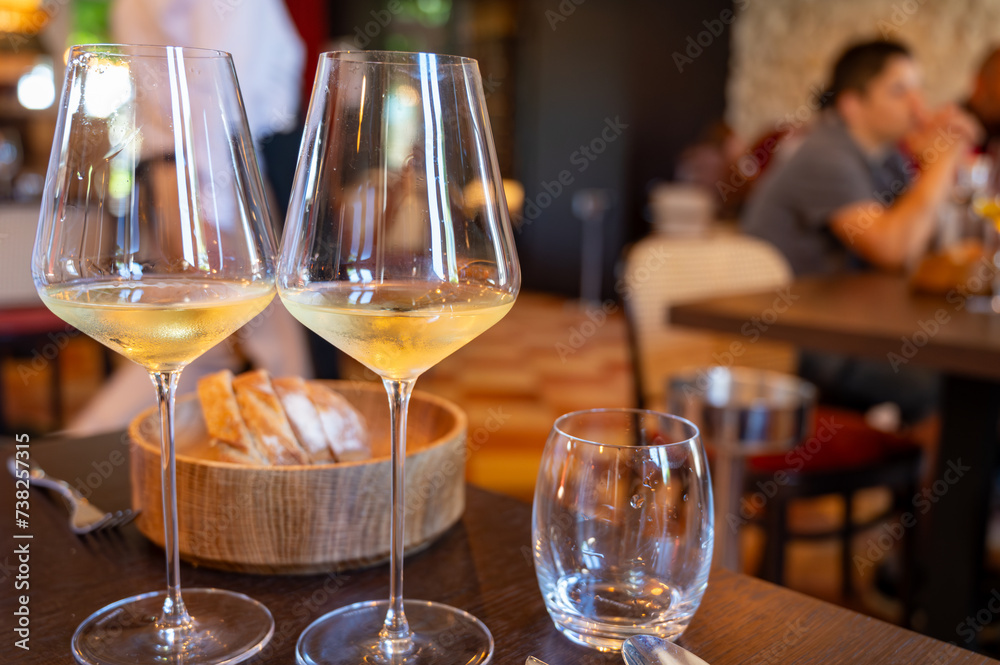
[(706, 162), (268, 56), (724, 164), (850, 199), (984, 102)]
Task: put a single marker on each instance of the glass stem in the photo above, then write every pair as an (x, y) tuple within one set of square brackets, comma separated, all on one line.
[(174, 619), (395, 637)]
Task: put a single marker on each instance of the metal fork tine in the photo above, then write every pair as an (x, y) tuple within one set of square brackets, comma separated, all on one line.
[(120, 518), (128, 516), (114, 522), (116, 518), (81, 528)]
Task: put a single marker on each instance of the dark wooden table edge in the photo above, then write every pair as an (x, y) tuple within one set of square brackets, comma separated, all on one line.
[(959, 361)]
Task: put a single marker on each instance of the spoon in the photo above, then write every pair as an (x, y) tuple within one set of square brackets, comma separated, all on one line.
[(647, 650), (652, 650)]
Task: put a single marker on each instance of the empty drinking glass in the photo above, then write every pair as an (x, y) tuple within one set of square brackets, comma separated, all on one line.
[(622, 525)]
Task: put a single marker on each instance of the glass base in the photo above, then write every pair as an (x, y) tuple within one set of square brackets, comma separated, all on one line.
[(226, 627), (596, 636), (442, 635)]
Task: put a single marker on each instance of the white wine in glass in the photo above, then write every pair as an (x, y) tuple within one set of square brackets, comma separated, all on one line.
[(398, 251), (160, 324), (154, 239), (401, 330)]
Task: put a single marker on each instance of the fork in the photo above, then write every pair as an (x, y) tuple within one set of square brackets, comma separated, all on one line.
[(84, 516)]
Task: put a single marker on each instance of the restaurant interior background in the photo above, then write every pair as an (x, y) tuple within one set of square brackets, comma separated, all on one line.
[(598, 109)]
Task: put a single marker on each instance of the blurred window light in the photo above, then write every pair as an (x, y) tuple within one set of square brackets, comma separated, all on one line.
[(110, 89), (36, 89)]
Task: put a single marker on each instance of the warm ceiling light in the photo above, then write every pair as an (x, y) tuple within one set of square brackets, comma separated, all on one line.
[(25, 17)]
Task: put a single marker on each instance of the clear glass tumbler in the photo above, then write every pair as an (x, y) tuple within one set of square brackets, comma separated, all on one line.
[(622, 525)]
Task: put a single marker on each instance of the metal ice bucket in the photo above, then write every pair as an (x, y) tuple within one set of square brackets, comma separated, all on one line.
[(740, 411)]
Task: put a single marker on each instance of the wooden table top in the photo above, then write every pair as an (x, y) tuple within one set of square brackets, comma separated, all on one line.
[(869, 314), (481, 565)]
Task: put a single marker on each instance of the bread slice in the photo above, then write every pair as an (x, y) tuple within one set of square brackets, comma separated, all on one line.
[(228, 453), (345, 429), (226, 428), (256, 420), (304, 418), (265, 419)]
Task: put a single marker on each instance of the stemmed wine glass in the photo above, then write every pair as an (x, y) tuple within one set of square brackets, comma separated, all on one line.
[(398, 250), (154, 239)]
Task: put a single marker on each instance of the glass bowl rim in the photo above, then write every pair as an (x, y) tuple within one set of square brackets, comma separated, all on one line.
[(113, 50), (695, 433), (405, 58)]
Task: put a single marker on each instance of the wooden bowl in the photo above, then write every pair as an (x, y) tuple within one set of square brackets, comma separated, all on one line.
[(304, 518)]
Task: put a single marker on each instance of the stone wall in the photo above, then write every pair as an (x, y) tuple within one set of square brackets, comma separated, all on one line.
[(782, 50)]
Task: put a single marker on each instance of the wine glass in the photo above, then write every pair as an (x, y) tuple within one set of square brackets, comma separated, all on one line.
[(398, 250), (154, 239)]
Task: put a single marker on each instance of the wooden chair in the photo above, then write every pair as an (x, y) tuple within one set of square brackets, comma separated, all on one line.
[(658, 272)]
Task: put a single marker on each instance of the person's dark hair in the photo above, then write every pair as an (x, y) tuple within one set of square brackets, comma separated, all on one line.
[(858, 65)]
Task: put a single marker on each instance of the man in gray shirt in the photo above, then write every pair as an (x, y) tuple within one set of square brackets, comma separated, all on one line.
[(793, 207), (848, 200)]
